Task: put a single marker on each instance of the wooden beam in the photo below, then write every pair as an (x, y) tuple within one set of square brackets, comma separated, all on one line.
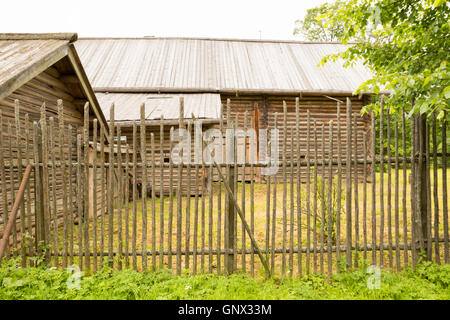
[(86, 87), (334, 99), (69, 79), (166, 122), (71, 37)]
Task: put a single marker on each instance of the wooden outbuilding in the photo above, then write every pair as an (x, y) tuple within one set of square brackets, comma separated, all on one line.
[(39, 70)]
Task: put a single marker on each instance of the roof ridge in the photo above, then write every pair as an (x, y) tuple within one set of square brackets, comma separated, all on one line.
[(214, 39), (70, 36)]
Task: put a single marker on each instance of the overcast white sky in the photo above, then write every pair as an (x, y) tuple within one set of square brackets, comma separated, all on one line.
[(133, 18)]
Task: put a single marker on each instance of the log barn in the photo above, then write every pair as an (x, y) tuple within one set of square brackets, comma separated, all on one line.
[(255, 75), (37, 69)]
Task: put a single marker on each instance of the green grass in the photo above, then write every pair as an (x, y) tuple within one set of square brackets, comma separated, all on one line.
[(429, 281)]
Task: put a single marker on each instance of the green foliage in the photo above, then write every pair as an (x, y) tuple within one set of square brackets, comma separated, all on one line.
[(428, 282), (333, 207), (314, 29), (406, 45), (439, 275), (395, 113)]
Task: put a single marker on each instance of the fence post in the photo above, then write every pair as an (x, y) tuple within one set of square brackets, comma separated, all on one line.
[(230, 239), (230, 220), (41, 237)]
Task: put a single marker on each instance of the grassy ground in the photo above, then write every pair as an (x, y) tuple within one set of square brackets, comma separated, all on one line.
[(427, 282)]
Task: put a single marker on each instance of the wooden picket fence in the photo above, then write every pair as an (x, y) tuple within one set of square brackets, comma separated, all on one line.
[(327, 209)]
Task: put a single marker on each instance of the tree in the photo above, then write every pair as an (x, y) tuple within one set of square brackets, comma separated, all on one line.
[(317, 30), (406, 45)]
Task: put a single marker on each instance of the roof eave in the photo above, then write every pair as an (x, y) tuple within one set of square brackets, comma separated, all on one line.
[(85, 84), (227, 91)]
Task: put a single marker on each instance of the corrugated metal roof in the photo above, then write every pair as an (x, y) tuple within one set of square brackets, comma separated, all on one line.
[(127, 106), (216, 65), (16, 56)]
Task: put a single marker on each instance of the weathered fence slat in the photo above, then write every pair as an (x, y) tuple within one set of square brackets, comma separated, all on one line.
[(284, 207), (111, 188), (53, 194), (11, 182), (299, 216), (355, 179), (235, 182), (153, 198), (322, 198), (179, 205), (330, 225), (413, 190), (348, 196), (252, 205), (291, 209), (444, 188), (396, 199), (120, 198), (71, 196), (152, 146), (127, 204), (62, 145), (86, 215), (404, 195), (195, 239), (315, 208), (170, 222), (428, 191), (274, 212), (20, 168), (389, 189), (102, 191), (219, 203), (210, 219), (144, 187), (3, 178), (80, 202), (374, 177), (161, 192), (203, 222), (135, 198), (94, 194), (382, 181), (339, 187), (365, 195), (29, 200), (435, 189), (37, 189)]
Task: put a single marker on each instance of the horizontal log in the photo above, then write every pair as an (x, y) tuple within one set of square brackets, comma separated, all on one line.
[(71, 37), (303, 249)]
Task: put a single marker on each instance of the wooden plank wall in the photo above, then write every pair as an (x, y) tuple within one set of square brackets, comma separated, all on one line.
[(127, 131), (322, 110)]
